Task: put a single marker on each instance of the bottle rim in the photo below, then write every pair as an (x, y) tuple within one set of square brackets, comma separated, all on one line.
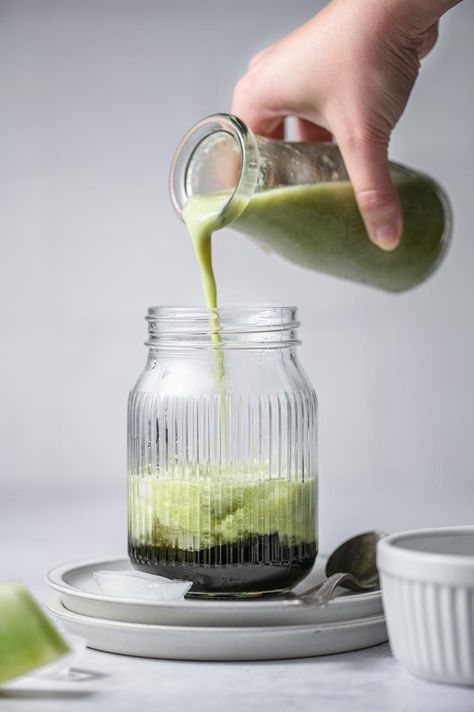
[(246, 182)]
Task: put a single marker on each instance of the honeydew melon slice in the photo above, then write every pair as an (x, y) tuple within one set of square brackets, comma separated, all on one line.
[(28, 639)]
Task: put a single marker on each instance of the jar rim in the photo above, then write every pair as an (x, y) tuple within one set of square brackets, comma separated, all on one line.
[(245, 307), (245, 325)]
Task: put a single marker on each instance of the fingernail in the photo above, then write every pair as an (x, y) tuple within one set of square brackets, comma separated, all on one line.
[(387, 237)]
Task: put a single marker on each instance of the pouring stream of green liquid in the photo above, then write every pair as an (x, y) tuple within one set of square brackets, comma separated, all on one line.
[(201, 215)]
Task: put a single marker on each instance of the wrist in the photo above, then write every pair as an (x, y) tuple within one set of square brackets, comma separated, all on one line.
[(434, 9), (428, 11)]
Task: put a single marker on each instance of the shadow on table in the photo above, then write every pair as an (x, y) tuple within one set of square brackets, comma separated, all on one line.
[(30, 694), (76, 675), (355, 659), (362, 658)]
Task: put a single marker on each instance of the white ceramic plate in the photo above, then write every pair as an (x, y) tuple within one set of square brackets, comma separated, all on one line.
[(221, 643), (80, 594)]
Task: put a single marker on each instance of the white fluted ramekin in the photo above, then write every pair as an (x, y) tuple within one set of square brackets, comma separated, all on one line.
[(428, 594)]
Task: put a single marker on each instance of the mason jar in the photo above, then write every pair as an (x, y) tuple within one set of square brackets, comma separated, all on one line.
[(296, 198), (222, 452)]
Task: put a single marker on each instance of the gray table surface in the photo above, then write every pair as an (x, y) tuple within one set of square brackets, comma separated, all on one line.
[(39, 530)]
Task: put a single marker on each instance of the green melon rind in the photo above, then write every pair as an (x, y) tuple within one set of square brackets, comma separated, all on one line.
[(28, 639)]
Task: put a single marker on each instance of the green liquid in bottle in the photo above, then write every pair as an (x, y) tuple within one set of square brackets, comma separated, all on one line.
[(319, 227)]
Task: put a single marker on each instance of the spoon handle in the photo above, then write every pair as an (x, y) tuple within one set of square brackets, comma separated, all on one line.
[(323, 592)]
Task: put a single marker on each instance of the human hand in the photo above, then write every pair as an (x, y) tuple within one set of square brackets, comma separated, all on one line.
[(347, 72)]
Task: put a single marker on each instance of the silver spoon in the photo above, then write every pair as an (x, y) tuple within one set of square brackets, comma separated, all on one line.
[(351, 565)]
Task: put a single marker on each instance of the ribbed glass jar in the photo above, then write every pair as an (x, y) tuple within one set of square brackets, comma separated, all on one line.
[(222, 452)]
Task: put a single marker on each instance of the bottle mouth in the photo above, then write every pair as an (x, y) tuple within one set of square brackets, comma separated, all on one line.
[(218, 155), (239, 326)]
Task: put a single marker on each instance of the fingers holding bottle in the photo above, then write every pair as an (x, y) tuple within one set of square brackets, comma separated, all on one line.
[(347, 72), (365, 156)]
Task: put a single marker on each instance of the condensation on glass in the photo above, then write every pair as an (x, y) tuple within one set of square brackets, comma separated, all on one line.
[(222, 452)]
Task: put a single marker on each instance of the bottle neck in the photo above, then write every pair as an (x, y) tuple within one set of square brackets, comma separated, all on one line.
[(256, 327), (219, 154)]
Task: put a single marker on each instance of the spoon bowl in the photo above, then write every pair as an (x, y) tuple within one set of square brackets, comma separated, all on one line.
[(357, 556), (352, 565)]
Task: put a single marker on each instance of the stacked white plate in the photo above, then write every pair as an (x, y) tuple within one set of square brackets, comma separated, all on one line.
[(212, 629)]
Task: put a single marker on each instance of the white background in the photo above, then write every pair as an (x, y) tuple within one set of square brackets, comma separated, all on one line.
[(94, 96)]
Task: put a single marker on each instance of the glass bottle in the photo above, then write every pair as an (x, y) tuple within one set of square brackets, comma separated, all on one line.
[(222, 471), (297, 199)]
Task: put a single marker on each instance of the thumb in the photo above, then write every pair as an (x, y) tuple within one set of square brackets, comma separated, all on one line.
[(366, 161)]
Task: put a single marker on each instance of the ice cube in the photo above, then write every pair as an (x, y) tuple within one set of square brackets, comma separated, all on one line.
[(138, 584)]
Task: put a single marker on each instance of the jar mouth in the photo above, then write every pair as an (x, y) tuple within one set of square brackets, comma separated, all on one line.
[(217, 155), (238, 325)]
